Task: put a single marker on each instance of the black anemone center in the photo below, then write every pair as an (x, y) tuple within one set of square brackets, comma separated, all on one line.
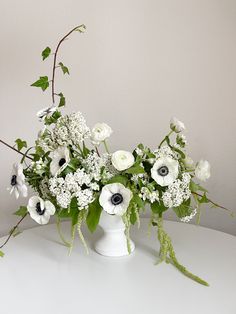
[(163, 171), (39, 210), (61, 162), (116, 199), (13, 180)]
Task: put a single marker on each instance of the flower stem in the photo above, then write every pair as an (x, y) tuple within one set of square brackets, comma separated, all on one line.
[(167, 253), (165, 138), (13, 230), (16, 150), (213, 203), (60, 233), (106, 147)]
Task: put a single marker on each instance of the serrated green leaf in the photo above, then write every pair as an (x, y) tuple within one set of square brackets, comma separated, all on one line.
[(62, 101), (42, 82), (158, 208), (21, 211), (94, 214), (1, 254), (183, 210), (136, 169), (65, 70), (20, 144), (119, 179), (53, 118), (46, 52), (204, 199)]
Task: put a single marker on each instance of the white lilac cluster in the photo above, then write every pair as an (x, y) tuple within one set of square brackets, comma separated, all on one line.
[(190, 217), (165, 151), (78, 184), (177, 192), (151, 196), (70, 130)]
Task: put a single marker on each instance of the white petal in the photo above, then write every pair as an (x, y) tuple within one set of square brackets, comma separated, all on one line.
[(50, 208)]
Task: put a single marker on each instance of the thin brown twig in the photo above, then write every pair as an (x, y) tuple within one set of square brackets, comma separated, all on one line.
[(16, 150), (213, 203), (13, 230), (55, 60)]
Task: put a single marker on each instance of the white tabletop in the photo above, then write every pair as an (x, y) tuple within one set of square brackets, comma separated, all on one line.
[(38, 276)]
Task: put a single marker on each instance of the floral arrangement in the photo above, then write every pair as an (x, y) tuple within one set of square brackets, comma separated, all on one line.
[(76, 177)]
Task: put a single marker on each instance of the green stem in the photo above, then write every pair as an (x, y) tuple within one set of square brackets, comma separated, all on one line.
[(60, 233), (163, 141), (80, 221), (73, 229), (167, 253), (106, 147)]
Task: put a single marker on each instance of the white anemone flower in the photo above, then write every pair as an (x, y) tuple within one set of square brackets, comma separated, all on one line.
[(203, 170), (165, 171), (43, 113), (115, 198), (100, 132), (122, 160), (176, 125), (18, 185), (60, 159), (40, 210)]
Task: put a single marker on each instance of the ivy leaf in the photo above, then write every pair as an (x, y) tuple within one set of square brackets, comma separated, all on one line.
[(46, 52), (21, 211), (194, 187), (62, 101), (183, 210), (65, 70), (20, 144), (119, 179), (42, 82), (1, 254), (53, 118), (94, 214), (158, 208), (204, 199), (136, 169)]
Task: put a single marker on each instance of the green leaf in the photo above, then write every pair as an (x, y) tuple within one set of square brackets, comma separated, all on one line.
[(93, 216), (74, 211), (85, 150), (183, 210), (179, 152), (62, 101), (119, 179), (20, 144), (64, 213), (42, 82), (158, 208), (1, 254), (21, 211), (133, 216), (53, 118), (65, 70), (46, 52), (136, 169), (138, 201), (194, 187), (204, 199)]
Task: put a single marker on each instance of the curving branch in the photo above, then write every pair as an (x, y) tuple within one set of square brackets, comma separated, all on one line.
[(16, 150)]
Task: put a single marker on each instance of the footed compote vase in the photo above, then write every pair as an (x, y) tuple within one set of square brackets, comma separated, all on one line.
[(113, 242)]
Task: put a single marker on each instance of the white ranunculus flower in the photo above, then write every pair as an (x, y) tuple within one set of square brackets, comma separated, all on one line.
[(40, 210), (122, 160), (60, 159), (165, 171), (176, 125), (115, 198), (189, 163), (18, 185), (203, 170), (100, 132)]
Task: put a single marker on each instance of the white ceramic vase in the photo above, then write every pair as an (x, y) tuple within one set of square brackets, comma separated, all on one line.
[(113, 242)]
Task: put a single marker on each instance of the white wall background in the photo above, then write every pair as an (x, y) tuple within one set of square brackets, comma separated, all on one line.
[(138, 64)]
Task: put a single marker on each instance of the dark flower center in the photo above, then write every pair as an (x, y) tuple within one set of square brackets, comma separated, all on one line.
[(116, 199), (62, 162), (163, 171), (13, 180), (39, 210)]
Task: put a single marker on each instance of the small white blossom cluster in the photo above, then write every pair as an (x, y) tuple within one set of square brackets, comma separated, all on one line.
[(165, 151), (151, 196), (177, 192), (78, 184), (39, 166), (190, 217), (143, 177), (70, 130)]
